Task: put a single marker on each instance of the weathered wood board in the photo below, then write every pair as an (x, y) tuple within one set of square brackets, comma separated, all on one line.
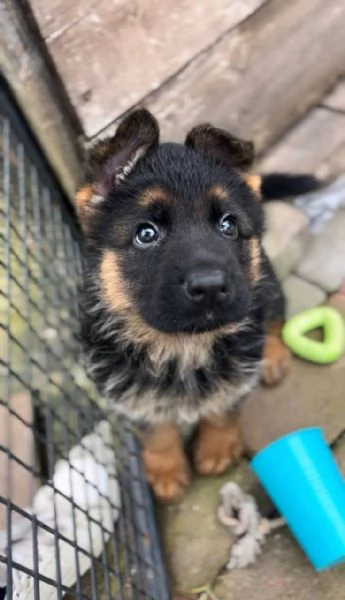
[(110, 54), (336, 99), (16, 434), (262, 76), (28, 75), (315, 145)]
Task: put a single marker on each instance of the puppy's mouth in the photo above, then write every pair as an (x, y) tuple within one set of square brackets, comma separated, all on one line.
[(207, 322)]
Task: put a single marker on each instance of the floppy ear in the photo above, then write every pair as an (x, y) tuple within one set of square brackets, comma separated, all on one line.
[(221, 145), (112, 159)]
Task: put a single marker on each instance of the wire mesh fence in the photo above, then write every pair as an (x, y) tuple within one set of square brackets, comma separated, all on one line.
[(76, 515)]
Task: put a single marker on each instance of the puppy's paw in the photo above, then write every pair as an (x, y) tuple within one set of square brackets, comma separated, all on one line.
[(218, 446), (167, 472), (276, 360)]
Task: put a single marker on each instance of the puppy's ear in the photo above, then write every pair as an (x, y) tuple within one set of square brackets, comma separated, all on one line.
[(221, 145), (112, 159)]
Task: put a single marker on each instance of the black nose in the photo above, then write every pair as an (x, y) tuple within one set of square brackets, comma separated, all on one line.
[(206, 287)]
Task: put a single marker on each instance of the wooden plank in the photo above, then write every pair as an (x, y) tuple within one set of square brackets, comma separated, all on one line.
[(315, 145), (262, 76), (335, 164), (56, 16), (34, 86), (336, 99), (17, 483), (111, 54)]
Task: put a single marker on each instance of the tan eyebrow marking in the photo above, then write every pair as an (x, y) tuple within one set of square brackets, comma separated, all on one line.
[(153, 195), (219, 192)]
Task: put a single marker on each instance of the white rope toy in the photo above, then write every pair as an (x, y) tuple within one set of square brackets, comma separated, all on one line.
[(240, 513), (88, 478)]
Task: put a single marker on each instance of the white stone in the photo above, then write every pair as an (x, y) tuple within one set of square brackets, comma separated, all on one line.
[(324, 263), (321, 205), (301, 295), (287, 236)]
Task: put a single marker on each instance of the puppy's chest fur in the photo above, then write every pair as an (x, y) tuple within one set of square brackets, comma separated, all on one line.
[(153, 378)]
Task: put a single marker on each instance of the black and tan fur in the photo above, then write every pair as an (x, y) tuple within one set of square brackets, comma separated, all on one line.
[(162, 355)]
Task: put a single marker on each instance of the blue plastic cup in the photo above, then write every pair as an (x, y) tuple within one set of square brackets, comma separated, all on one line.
[(303, 479)]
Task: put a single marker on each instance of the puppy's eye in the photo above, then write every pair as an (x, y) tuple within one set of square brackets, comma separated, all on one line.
[(146, 234), (228, 227)]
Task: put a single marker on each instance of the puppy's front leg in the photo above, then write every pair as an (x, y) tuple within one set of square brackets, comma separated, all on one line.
[(276, 358), (218, 445), (165, 462)]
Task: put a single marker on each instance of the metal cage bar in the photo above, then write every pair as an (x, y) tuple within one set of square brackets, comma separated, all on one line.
[(45, 394)]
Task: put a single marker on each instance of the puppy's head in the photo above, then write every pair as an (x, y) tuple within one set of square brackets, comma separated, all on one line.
[(174, 231)]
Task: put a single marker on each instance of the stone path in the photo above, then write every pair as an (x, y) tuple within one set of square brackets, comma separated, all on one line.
[(312, 268)]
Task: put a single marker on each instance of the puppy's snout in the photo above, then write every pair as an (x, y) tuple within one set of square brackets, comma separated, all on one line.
[(207, 287)]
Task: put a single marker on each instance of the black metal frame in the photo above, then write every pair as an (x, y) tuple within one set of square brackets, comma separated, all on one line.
[(39, 356)]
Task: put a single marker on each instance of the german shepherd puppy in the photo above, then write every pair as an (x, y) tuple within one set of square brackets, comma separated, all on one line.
[(181, 310)]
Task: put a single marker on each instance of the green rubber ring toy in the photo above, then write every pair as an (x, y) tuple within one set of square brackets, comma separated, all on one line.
[(333, 344)]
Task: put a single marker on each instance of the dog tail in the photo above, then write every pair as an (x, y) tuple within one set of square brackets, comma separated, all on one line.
[(276, 186)]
